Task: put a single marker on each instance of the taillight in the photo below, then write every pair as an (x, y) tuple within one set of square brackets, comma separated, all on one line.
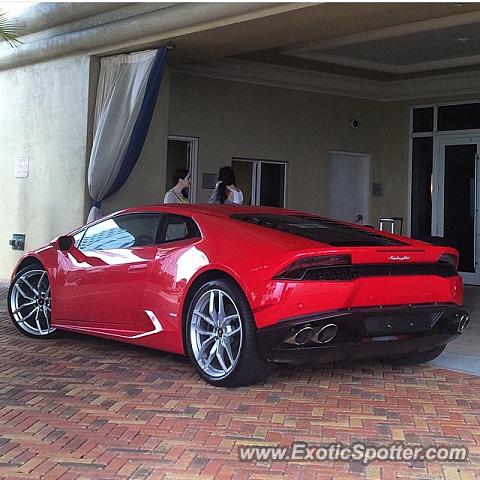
[(450, 259), (297, 269)]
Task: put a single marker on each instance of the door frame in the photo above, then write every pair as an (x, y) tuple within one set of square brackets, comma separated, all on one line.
[(438, 194), (192, 146), (365, 159), (435, 134)]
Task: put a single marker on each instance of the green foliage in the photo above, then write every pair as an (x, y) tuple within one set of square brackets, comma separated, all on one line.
[(9, 30)]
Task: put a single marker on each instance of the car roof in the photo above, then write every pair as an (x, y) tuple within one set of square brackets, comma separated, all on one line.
[(227, 211), (215, 210), (207, 209)]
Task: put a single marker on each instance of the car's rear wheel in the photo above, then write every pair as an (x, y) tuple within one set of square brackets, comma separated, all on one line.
[(416, 358), (220, 336), (30, 302)]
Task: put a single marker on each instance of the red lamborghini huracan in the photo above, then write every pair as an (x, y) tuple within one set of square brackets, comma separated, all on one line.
[(238, 287)]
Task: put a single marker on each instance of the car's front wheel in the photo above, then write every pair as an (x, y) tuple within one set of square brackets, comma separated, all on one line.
[(220, 336), (29, 302)]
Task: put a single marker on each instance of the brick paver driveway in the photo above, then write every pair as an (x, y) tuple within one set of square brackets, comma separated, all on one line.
[(78, 407)]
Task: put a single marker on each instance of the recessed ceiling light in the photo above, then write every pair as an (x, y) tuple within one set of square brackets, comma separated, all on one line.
[(463, 39)]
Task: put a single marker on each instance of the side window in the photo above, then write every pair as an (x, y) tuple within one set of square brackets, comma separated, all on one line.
[(178, 227), (78, 236), (126, 231)]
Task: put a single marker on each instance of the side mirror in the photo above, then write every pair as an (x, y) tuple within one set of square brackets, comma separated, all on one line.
[(65, 242)]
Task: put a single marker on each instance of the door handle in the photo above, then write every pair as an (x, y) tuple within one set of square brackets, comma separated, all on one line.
[(138, 267)]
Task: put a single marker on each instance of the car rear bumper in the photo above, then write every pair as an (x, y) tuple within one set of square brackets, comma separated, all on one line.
[(363, 333)]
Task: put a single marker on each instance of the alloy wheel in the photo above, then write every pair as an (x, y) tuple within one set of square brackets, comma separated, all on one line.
[(30, 303), (216, 333)]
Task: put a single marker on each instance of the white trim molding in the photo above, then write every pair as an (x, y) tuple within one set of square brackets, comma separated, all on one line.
[(390, 68), (286, 77), (313, 81), (157, 326)]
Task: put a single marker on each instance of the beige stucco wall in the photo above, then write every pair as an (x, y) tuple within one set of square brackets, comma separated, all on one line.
[(44, 117), (235, 119)]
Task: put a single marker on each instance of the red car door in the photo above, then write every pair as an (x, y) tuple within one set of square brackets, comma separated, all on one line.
[(101, 282)]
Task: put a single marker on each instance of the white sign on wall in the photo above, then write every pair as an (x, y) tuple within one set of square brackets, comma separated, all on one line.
[(21, 167)]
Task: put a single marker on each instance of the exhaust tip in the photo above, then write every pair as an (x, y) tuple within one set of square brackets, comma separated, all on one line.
[(303, 336), (326, 333)]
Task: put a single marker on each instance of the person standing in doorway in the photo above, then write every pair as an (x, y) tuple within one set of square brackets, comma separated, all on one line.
[(181, 181), (226, 191)]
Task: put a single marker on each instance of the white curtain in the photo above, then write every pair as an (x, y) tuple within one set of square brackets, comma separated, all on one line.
[(121, 89)]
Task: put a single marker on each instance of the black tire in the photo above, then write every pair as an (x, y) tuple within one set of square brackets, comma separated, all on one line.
[(13, 299), (250, 366), (416, 358)]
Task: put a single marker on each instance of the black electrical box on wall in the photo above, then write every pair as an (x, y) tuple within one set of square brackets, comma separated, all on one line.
[(18, 241)]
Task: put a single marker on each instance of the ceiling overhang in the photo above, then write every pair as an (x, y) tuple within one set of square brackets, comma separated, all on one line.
[(428, 45), (381, 51)]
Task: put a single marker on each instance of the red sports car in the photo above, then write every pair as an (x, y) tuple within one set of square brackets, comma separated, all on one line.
[(236, 288)]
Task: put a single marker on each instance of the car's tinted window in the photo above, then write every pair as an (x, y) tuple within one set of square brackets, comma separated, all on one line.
[(319, 229), (178, 227), (125, 231)]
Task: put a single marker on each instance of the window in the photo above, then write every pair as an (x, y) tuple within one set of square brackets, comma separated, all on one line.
[(446, 119), (178, 227), (262, 182), (318, 229), (423, 119), (77, 237), (459, 117), (422, 167), (126, 231)]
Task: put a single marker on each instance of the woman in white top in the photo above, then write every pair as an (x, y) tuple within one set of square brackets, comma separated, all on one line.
[(181, 181), (226, 191)]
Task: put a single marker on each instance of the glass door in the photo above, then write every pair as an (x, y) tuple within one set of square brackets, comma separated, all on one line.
[(262, 182), (246, 179), (455, 201)]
